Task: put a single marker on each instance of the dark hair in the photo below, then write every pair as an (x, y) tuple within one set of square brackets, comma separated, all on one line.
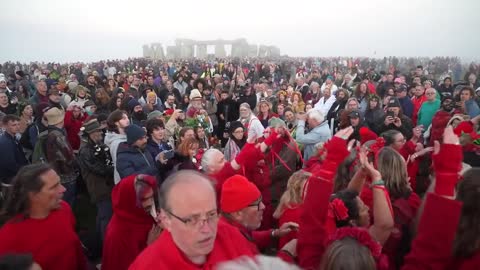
[(184, 130), (349, 199), (10, 118), (114, 117), (153, 124), (28, 179), (467, 238), (345, 172), (16, 262), (469, 89), (389, 136)]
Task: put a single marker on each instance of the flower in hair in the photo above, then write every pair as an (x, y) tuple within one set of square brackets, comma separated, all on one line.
[(338, 209), (379, 144)]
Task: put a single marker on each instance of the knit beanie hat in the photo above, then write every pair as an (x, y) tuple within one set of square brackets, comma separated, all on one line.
[(232, 126), (238, 193), (276, 122), (132, 104), (154, 114), (151, 95), (134, 133)]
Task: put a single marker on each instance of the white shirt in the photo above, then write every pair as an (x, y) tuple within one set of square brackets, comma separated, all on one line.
[(324, 105)]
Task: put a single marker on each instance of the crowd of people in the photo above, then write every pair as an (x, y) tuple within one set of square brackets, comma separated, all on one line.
[(319, 163)]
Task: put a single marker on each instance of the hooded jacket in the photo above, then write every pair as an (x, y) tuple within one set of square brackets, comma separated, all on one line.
[(112, 140), (132, 160)]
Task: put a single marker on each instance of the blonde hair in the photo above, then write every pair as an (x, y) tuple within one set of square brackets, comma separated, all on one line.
[(393, 169), (293, 193)]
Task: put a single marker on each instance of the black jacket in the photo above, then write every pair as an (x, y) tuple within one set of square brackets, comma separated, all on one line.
[(251, 100), (405, 128), (97, 169), (11, 159)]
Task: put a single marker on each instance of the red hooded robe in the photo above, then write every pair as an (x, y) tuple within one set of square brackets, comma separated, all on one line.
[(128, 229)]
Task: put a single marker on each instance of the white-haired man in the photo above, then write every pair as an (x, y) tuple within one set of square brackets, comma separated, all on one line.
[(215, 165), (319, 131)]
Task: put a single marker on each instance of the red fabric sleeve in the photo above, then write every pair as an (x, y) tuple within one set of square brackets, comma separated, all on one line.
[(249, 155), (263, 239), (312, 235), (432, 248), (336, 153), (447, 165)]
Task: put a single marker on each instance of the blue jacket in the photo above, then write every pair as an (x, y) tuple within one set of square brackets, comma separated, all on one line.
[(471, 108), (407, 106), (11, 159), (154, 149), (320, 133), (132, 160)]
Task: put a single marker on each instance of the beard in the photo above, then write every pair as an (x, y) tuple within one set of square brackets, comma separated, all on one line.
[(140, 115)]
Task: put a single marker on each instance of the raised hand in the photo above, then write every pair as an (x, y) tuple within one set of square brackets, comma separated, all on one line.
[(344, 133)]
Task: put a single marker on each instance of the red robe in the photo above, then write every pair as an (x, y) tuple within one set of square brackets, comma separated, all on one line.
[(164, 254), (221, 176), (432, 248), (312, 235), (417, 103), (127, 232), (256, 239), (52, 241), (291, 214)]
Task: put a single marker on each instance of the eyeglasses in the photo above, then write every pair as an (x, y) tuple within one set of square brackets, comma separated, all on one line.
[(256, 204), (429, 94), (196, 222)]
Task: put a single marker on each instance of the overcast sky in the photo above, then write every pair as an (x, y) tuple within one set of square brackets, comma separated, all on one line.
[(88, 30)]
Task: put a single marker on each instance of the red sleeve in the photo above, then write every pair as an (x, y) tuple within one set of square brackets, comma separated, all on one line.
[(312, 234), (67, 120), (263, 239), (432, 248), (336, 153)]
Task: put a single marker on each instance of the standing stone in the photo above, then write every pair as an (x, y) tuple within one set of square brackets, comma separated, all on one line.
[(220, 51), (202, 51)]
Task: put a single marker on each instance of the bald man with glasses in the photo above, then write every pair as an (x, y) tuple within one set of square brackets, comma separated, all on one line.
[(193, 238)]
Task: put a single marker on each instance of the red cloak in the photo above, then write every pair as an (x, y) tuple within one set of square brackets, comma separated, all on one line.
[(128, 229)]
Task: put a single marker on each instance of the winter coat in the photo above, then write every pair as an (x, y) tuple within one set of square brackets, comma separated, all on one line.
[(132, 160), (405, 128), (112, 140), (11, 159), (320, 133), (97, 170), (59, 154), (373, 117)]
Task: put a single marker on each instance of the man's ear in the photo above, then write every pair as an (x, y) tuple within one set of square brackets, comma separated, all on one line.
[(165, 219)]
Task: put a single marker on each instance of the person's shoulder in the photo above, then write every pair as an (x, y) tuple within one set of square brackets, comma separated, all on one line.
[(149, 259)]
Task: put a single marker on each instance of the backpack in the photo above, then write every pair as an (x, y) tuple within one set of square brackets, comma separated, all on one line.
[(39, 155)]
